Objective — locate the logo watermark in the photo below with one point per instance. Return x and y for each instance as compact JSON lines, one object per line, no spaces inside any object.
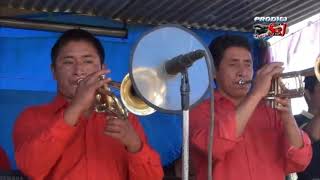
{"x":265,"y":27}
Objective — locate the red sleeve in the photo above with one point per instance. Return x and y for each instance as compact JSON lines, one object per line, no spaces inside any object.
{"x":4,"y":161}
{"x":297,"y":159}
{"x":146,"y":163}
{"x":224,"y":129}
{"x":39,"y":141}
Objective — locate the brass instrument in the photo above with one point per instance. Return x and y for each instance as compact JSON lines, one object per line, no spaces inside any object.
{"x":107,"y":101}
{"x":278,"y":89}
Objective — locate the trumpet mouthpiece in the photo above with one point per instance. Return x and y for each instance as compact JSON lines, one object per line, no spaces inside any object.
{"x":243,"y":82}
{"x":79,"y":80}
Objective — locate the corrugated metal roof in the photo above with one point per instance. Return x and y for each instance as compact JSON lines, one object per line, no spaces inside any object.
{"x":209,"y":14}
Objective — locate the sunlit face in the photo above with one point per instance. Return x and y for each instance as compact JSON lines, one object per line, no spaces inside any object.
{"x":236,"y":64}
{"x":76,"y":60}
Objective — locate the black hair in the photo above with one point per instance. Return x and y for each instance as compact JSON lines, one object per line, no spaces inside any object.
{"x":310,"y":82}
{"x":218,"y":46}
{"x":76,"y":35}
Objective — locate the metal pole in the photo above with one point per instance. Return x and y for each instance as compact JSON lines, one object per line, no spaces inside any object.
{"x":60,"y":27}
{"x":185,"y":98}
{"x":185,"y":157}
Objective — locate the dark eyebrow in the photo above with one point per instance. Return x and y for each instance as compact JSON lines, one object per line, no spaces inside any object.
{"x":246,"y":60}
{"x":84,"y":56}
{"x":88,"y":56}
{"x":235,"y":60}
{"x":67,"y":57}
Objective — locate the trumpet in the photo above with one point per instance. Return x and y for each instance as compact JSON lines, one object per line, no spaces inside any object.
{"x":278,"y":88}
{"x":107,"y":101}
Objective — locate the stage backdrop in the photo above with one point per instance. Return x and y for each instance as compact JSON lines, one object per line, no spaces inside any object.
{"x":25,"y":79}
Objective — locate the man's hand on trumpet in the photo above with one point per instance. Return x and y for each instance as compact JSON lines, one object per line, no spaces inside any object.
{"x":283,"y":104}
{"x":123,"y":131}
{"x":261,"y":88}
{"x":262,"y":82}
{"x":84,"y":96}
{"x":87,"y":88}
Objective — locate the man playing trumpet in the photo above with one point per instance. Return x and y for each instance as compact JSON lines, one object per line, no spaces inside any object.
{"x":66,"y":139}
{"x":251,"y":140}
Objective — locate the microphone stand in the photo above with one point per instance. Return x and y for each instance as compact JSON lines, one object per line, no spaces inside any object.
{"x":185,"y":103}
{"x":185,"y":95}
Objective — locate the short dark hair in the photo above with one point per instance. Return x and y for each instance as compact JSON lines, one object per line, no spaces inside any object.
{"x":218,"y":46}
{"x":76,"y":35}
{"x":310,"y":82}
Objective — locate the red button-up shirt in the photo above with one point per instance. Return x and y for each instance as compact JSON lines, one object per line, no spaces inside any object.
{"x":47,"y":148}
{"x":262,"y":152}
{"x":4,"y":161}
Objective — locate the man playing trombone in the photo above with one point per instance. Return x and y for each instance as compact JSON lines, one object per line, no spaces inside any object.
{"x":66,"y":139}
{"x":251,"y":140}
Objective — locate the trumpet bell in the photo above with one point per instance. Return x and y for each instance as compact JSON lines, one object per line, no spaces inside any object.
{"x":131,"y":100}
{"x":107,"y":101}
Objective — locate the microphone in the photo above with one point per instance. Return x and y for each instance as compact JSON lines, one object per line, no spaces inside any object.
{"x":182,"y":62}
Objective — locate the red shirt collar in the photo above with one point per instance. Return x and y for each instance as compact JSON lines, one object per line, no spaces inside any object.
{"x":219,"y":97}
{"x":59,"y":102}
